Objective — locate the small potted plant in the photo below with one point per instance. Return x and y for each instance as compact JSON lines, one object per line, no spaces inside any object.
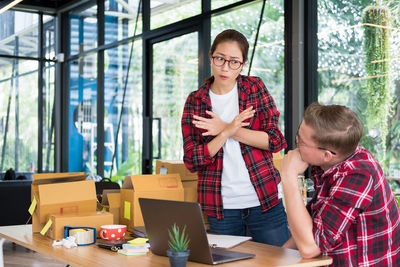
{"x":178,"y":251}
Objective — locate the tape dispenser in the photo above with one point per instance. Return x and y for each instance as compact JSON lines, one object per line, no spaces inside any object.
{"x":83,"y":235}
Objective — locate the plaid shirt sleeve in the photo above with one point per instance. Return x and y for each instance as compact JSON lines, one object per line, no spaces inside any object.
{"x":349,"y":195}
{"x":196,"y":154}
{"x":269,"y":116}
{"x":356,"y":217}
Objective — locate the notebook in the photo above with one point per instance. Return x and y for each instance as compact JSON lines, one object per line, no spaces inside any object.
{"x":160,"y":215}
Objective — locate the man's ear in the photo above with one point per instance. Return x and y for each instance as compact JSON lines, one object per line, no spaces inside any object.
{"x":327,"y":156}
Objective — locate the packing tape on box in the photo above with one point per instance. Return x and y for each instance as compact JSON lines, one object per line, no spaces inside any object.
{"x":83,"y":235}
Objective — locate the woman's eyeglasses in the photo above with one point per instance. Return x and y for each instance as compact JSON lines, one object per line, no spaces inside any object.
{"x":232,"y":64}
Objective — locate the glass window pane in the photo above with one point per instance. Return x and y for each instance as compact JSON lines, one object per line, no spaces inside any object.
{"x":120,"y":19}
{"x":269,"y":54}
{"x":365,"y":78}
{"x":164,"y":12}
{"x":18,"y":114}
{"x":19,"y":33}
{"x":175,"y":75}
{"x":48,"y":110}
{"x":82,"y":127}
{"x":220,"y":3}
{"x":83,"y":30}
{"x":49,"y":25}
{"x":128,"y":160}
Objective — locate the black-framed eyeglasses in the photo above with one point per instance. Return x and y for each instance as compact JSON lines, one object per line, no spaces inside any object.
{"x":232,"y":64}
{"x":301,"y":143}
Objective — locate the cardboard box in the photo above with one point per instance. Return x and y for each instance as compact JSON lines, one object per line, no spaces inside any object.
{"x":111,"y":202}
{"x":61,"y":193}
{"x":175,"y":166}
{"x":190,"y":190}
{"x":89,"y":219}
{"x":159,"y":186}
{"x":277,"y":157}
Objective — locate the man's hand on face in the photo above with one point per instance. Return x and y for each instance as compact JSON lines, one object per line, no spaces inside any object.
{"x":292,"y":165}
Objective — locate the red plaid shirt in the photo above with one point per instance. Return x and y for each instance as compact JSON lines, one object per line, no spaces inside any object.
{"x":263,"y":175}
{"x":355,"y":214}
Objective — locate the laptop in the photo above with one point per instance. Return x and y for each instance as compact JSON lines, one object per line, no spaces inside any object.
{"x":160,"y":215}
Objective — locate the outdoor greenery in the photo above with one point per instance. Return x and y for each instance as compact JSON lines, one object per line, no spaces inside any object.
{"x":358,"y":46}
{"x":376,"y":94}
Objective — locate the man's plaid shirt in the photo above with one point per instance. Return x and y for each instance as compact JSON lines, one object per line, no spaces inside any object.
{"x":355,"y":214}
{"x":263,"y":175}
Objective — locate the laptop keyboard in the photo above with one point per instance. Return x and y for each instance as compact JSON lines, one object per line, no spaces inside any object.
{"x":223,"y":255}
{"x":219,"y":257}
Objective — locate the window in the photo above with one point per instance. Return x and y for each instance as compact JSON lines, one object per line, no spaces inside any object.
{"x":354,"y":72}
{"x":128,"y":117}
{"x":20,"y":75}
{"x":166,"y":12}
{"x":269,"y":52}
{"x":120,"y":19}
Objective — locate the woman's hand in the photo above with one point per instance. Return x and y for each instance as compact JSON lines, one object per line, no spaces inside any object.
{"x":213,"y":125}
{"x":238,"y":121}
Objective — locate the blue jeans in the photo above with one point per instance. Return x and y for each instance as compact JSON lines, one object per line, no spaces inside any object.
{"x":268,"y":227}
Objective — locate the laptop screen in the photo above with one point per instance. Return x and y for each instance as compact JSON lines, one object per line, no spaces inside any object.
{"x":160,"y":215}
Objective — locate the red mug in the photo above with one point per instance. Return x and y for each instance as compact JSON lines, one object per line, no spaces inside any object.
{"x":113,"y":231}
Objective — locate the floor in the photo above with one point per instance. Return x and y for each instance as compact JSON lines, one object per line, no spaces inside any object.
{"x":15,"y":255}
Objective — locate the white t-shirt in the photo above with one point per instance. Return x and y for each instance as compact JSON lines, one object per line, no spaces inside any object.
{"x":237,"y":190}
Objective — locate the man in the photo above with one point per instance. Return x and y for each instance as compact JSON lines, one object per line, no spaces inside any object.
{"x":353,"y":216}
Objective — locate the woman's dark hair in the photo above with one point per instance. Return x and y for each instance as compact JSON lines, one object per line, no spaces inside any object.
{"x":229,"y":35}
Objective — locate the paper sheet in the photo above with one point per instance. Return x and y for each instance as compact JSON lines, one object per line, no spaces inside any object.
{"x":226,"y":241}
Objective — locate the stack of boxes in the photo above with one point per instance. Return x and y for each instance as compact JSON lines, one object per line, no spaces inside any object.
{"x":156,"y":186}
{"x":111,"y":202}
{"x":64,"y":199}
{"x":188,"y":179}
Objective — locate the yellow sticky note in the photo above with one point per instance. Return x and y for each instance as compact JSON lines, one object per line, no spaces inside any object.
{"x":138,"y":241}
{"x":127,"y":210}
{"x":32,"y":206}
{"x":46,"y":227}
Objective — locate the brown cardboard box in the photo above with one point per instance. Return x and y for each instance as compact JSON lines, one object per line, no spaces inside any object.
{"x":190,"y":190}
{"x":175,"y":166}
{"x":159,"y":186}
{"x":277,"y":157}
{"x":61,"y":193}
{"x":87,"y":219}
{"x":111,"y":202}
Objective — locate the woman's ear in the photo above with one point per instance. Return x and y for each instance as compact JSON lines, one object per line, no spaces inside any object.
{"x":244,"y":63}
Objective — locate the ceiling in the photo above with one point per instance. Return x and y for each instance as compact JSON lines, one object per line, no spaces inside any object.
{"x":44,"y":5}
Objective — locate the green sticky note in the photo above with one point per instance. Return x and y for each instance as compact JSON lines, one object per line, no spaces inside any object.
{"x":127,"y":210}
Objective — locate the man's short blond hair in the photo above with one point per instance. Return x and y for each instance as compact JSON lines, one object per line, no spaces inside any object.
{"x":335,"y":127}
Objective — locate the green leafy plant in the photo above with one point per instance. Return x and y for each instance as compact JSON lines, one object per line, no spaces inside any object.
{"x":178,"y":240}
{"x":376,"y":21}
{"x":118,"y":175}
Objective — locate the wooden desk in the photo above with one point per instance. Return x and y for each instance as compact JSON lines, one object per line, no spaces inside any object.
{"x":266,"y":255}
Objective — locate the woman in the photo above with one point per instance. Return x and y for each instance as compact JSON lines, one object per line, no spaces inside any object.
{"x":230,"y":130}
